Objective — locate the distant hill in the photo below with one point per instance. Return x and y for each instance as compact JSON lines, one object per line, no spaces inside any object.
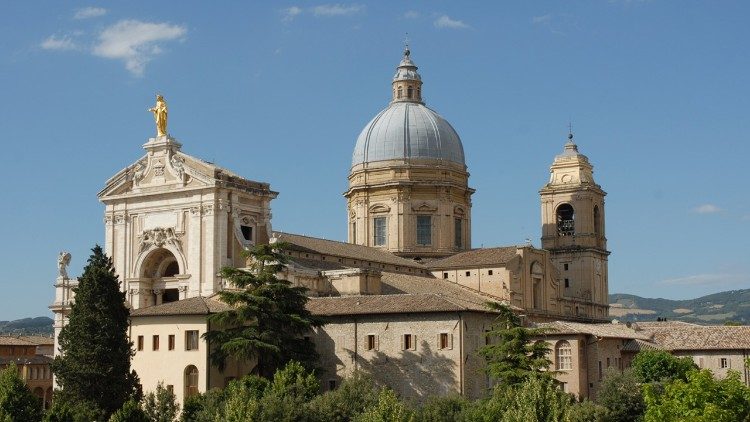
{"x":717,"y":308}
{"x":26,"y":326}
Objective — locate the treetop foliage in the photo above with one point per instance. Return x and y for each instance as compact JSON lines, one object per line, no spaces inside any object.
{"x":268,"y":321}
{"x":17,"y":402}
{"x":660,"y":365}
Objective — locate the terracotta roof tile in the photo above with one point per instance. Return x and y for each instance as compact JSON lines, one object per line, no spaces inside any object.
{"x":636,"y":345}
{"x":26,"y":360}
{"x":699,"y":337}
{"x":193,"y":306}
{"x":476,"y":258}
{"x":608,"y":330}
{"x":15,"y":341}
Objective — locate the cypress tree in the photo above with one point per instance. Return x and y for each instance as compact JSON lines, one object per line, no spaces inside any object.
{"x":95,"y":362}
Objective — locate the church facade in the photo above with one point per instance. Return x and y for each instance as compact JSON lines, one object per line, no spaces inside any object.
{"x":404,"y":298}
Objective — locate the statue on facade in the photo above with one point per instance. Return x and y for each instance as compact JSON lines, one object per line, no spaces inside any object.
{"x":63,"y":260}
{"x":160,"y":115}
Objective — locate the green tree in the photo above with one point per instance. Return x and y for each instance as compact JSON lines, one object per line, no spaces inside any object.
{"x":620,"y":393}
{"x":206,"y":407}
{"x":17,"y":403}
{"x":96,"y":352}
{"x":268,"y":320}
{"x":442,"y":409}
{"x":538,"y":399}
{"x":701,"y":398}
{"x":131,"y":411}
{"x":512,"y":356}
{"x":356,"y":393}
{"x":73,"y":411}
{"x":588,"y":411}
{"x":659,"y":365}
{"x":388,"y":409}
{"x":161,"y":405}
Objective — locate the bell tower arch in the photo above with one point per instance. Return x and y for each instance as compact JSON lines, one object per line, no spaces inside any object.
{"x":573,"y":229}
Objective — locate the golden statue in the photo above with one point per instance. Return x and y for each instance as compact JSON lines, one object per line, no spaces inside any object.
{"x":160,"y":115}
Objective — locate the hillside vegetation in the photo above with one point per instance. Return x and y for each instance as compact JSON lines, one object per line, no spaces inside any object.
{"x":27,"y":326}
{"x":715,"y":309}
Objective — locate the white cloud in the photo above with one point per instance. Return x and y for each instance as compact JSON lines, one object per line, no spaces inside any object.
{"x":709,"y":279}
{"x":707,"y":209}
{"x":63,"y":43}
{"x":337,"y":9}
{"x":446,"y":22}
{"x":90,"y":12}
{"x":543,"y":19}
{"x":135,"y":42}
{"x":290,"y":13}
{"x":411,"y":14}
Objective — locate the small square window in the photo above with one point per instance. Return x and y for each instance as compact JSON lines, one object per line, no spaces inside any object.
{"x":140,"y":343}
{"x":565,"y":266}
{"x":468,"y":273}
{"x":445,"y":275}
{"x":371,"y":342}
{"x":489,"y":272}
{"x":724,"y":363}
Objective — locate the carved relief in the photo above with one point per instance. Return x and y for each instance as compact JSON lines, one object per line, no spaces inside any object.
{"x":159,"y":237}
{"x":120,"y":218}
{"x":139,"y":170}
{"x":159,"y":168}
{"x":208,"y":209}
{"x":196,"y":211}
{"x":178,"y":164}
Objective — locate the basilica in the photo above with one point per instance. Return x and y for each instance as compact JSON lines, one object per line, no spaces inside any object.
{"x":404,"y":298}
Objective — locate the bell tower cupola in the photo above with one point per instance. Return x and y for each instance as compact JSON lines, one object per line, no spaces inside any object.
{"x":573,"y":229}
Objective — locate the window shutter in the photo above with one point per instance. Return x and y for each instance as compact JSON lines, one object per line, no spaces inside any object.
{"x":413,"y":342}
{"x":439,"y":346}
{"x":403,"y":341}
{"x":450,"y":341}
{"x":377,"y":342}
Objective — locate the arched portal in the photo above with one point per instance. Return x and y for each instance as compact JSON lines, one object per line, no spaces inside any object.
{"x":162,"y":267}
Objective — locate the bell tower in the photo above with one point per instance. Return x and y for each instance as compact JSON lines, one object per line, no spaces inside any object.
{"x":573,"y":232}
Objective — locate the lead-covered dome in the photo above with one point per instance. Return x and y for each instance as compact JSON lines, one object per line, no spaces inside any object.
{"x":408,"y":130}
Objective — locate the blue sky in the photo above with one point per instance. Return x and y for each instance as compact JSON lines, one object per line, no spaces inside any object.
{"x":657,"y":91}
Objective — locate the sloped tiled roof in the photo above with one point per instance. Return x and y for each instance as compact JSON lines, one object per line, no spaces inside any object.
{"x":40,"y":340}
{"x":193,"y":306}
{"x":636,"y":345}
{"x":475,"y":258}
{"x":26,"y":360}
{"x":15,"y":341}
{"x":315,"y":264}
{"x":699,"y":337}
{"x":343,"y":249}
{"x":608,"y":330}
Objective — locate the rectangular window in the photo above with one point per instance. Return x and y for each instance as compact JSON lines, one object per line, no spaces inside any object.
{"x":444,"y":341}
{"x":607,"y":362}
{"x":379,"y":231}
{"x":408,"y":342}
{"x":155,"y":343}
{"x":724,"y":362}
{"x":600,"y":370}
{"x":567,"y":283}
{"x":468,"y":273}
{"x":489,"y":272}
{"x":170,"y":342}
{"x":445,"y":275}
{"x":566,"y":267}
{"x":458,"y":233}
{"x":371,"y":342}
{"x":424,"y":230}
{"x":191,"y":340}
{"x":140,"y":343}
{"x":247,"y":232}
{"x":354,"y":233}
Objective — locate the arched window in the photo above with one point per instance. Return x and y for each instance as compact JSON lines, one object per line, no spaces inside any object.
{"x":191,"y":381}
{"x":400,"y":92}
{"x":597,"y":221}
{"x":410,"y":92}
{"x":172,"y":269}
{"x":564,"y":356}
{"x":565,"y":220}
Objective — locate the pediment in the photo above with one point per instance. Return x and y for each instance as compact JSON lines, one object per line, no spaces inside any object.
{"x":379,"y":208}
{"x":423,"y":207}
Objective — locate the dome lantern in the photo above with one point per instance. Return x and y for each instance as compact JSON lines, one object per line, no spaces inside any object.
{"x":407,"y":84}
